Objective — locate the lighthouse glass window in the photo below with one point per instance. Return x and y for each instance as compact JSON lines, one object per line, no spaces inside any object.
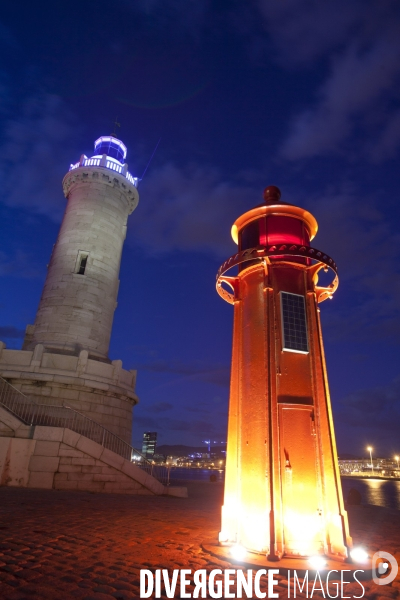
{"x":294,"y":323}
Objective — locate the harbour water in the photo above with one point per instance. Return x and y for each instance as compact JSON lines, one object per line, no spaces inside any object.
{"x":381,"y":492}
{"x":179,"y":475}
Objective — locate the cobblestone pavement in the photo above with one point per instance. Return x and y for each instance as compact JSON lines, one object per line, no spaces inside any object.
{"x":57,"y":545}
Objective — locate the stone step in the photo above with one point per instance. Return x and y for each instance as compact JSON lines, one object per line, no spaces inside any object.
{"x":58,"y":458}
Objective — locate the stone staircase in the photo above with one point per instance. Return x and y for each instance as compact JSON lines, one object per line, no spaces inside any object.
{"x":55,"y":447}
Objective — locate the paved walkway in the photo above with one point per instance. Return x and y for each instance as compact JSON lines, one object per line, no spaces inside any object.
{"x":57,"y":545}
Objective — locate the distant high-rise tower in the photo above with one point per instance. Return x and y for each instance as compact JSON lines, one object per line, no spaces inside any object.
{"x":149,"y":443}
{"x":283,"y":492}
{"x":65,"y":353}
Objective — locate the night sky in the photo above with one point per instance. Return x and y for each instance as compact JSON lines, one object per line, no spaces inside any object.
{"x":300,"y":94}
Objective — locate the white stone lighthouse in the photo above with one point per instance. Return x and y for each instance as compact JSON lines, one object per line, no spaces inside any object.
{"x":64,"y":359}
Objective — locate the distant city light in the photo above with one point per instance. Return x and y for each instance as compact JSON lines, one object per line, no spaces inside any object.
{"x":369,"y":448}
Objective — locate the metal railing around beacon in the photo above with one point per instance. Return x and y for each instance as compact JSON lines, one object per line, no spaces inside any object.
{"x":31,"y":413}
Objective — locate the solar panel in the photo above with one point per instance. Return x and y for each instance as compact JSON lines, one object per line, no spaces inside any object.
{"x":294,"y":322}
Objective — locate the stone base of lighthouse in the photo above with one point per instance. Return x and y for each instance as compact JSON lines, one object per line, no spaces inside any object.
{"x":102,"y":391}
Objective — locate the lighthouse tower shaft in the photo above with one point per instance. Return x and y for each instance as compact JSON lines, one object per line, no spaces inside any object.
{"x":282,"y":486}
{"x":64,"y":360}
{"x":79,"y":297}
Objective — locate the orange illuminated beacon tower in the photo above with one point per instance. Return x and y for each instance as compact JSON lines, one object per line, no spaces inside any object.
{"x":283,"y":494}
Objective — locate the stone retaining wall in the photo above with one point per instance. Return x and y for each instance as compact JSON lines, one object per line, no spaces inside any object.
{"x":104,"y":392}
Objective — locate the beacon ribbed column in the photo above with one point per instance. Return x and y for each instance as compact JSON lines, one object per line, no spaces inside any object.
{"x":283,"y":493}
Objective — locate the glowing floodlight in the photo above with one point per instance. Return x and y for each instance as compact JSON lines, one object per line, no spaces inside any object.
{"x":238,"y":552}
{"x":359,"y":555}
{"x":317,"y":562}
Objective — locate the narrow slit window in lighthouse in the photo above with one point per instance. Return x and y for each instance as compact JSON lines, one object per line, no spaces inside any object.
{"x":294,"y":323}
{"x":81,"y":263}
